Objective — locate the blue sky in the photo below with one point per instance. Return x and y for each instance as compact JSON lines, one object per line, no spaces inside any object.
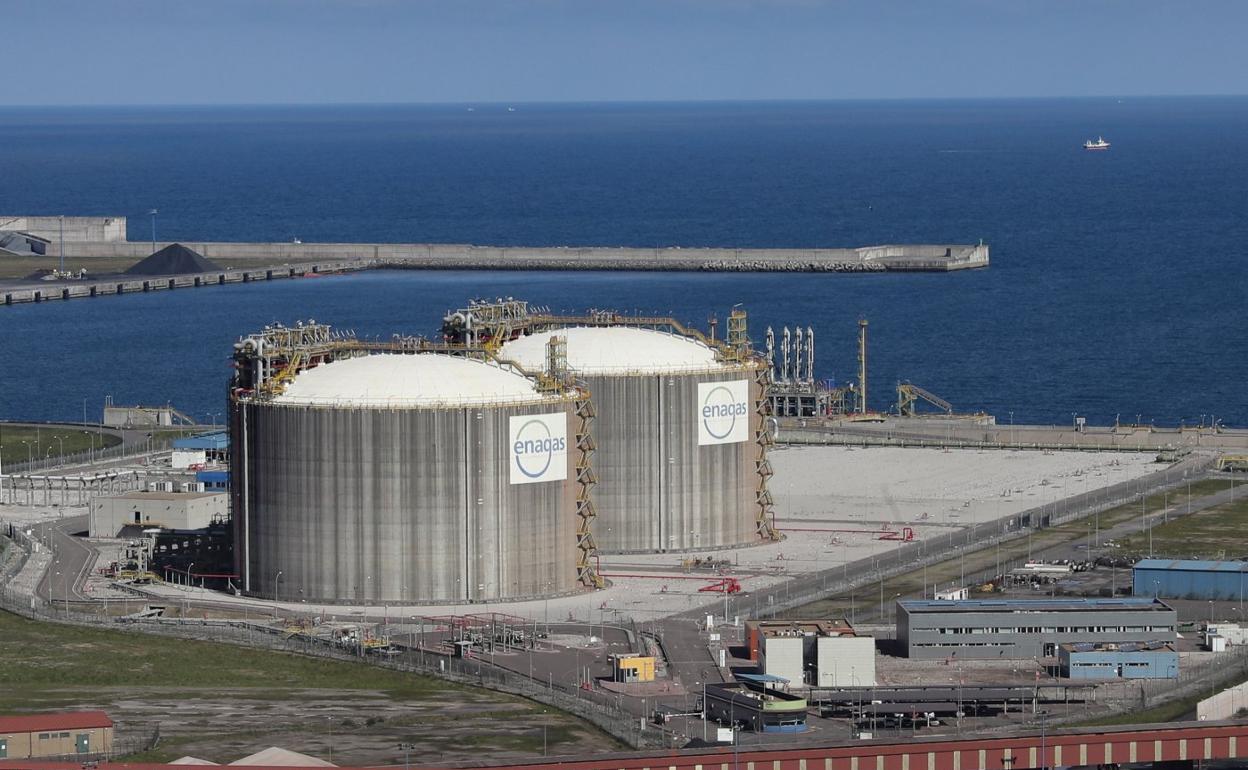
{"x":325,"y":51}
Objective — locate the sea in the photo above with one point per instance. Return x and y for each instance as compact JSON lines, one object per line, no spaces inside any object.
{"x":1117,"y":288}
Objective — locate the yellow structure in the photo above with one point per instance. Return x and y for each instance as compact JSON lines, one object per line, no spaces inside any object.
{"x":633,"y":668}
{"x":1232,"y":463}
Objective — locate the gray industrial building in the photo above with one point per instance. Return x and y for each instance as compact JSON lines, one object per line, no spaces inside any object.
{"x":1189,"y":579}
{"x":1027,"y":628}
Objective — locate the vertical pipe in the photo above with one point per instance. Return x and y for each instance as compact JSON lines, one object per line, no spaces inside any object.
{"x":784,"y":352}
{"x":798,"y":346}
{"x":771,"y":353}
{"x":810,"y":355}
{"x":245,"y":562}
{"x":862,"y":366}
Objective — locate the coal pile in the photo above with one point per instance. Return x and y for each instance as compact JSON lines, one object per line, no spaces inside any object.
{"x":174,"y":259}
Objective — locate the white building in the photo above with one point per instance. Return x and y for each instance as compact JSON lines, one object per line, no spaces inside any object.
{"x":844,"y":661}
{"x":170,"y":510}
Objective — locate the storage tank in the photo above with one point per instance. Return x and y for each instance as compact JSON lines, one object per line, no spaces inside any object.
{"x":405,"y":478}
{"x":677,"y":430}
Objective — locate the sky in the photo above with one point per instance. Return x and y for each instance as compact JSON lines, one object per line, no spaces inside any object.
{"x":96,"y":52}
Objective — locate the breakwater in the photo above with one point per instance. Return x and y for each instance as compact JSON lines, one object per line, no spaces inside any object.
{"x":291,"y":260}
{"x":891,"y":257}
{"x":47,"y":291}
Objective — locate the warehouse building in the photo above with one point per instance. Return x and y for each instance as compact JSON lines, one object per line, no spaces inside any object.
{"x":1189,"y":579}
{"x":1153,"y":660}
{"x":167,"y":510}
{"x":1026,"y":628}
{"x":815,"y":653}
{"x":43,"y":736}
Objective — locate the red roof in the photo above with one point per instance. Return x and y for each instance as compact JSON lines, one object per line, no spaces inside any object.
{"x":65,"y":720}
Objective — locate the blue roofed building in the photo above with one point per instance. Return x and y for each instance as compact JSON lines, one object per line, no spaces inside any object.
{"x":213,"y":480}
{"x":219,"y":441}
{"x":215,"y":446}
{"x":1189,"y":579}
{"x":1152,"y":660}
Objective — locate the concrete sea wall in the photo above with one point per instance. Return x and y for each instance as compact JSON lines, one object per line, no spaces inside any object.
{"x":918,"y":257}
{"x":294,"y":260}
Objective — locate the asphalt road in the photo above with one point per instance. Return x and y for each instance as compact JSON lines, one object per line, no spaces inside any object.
{"x":72,"y":560}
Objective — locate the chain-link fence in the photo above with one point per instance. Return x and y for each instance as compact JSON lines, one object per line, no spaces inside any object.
{"x":909,"y":556}
{"x":606,"y":710}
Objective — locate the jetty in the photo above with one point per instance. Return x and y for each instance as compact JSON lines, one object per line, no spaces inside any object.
{"x":107,"y":240}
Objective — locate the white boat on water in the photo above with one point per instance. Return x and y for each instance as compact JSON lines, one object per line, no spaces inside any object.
{"x":1099,"y":144}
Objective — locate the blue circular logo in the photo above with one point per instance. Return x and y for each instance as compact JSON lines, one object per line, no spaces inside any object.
{"x":537,"y":449}
{"x":710,"y":411}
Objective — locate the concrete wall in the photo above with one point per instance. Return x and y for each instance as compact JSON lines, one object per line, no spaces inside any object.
{"x":189,"y":510}
{"x":1224,"y":705}
{"x":935,"y":431}
{"x":466,"y":256}
{"x":76,"y":229}
{"x":845,"y":661}
{"x":137,"y":416}
{"x":782,"y":656}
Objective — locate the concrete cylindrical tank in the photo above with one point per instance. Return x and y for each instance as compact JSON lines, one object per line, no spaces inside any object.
{"x":675,"y":433}
{"x":405,"y":478}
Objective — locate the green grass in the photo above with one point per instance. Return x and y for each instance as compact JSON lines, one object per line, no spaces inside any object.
{"x":40,"y":441}
{"x":52,"y":665}
{"x":1214,"y":533}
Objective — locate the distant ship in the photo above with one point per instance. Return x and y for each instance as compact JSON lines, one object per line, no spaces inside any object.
{"x":1099,"y":144}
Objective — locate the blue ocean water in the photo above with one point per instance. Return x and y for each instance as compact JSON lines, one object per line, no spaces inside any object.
{"x":1117,"y":286}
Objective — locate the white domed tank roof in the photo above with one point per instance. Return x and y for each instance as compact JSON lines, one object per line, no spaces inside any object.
{"x":615,"y":350}
{"x":425,"y":379}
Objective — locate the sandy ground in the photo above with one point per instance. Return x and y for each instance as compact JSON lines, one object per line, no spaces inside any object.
{"x":831,"y":502}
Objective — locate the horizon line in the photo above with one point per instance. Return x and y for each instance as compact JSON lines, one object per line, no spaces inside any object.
{"x":573,"y":102}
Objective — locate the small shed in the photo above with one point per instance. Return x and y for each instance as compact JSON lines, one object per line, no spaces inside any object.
{"x":1152,"y":660}
{"x":65,"y":734}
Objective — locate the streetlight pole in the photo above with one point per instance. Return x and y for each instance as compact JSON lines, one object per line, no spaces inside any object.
{"x":153,"y":214}
{"x":61,"y":249}
{"x":276,"y":586}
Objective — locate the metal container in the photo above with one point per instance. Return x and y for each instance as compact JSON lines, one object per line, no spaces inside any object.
{"x":665,"y":481}
{"x":422,"y":478}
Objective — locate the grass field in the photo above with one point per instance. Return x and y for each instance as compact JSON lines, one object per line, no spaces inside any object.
{"x":221,"y":702}
{"x":1215,"y":533}
{"x":20,"y":443}
{"x":20,"y":267}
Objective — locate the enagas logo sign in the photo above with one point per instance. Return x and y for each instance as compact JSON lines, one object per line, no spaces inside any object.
{"x":723,"y":412}
{"x":539,"y":448}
